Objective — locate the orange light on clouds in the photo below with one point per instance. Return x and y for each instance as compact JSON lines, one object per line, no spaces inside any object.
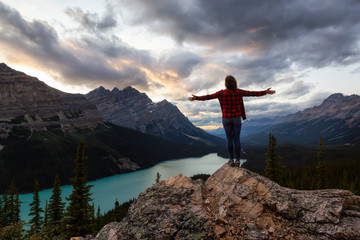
{"x":254,"y":30}
{"x":72,"y":45}
{"x":164,"y":85}
{"x":210,"y":127}
{"x":172,"y":74}
{"x":126,"y":61}
{"x":217,"y":66}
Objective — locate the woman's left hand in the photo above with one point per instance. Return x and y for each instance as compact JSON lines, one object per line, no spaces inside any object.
{"x":268,"y":91}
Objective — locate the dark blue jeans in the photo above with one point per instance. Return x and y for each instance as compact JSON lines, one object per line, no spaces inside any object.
{"x":232,"y":127}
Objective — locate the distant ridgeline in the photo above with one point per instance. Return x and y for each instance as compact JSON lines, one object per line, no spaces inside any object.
{"x":40,"y":128}
{"x":336,"y":120}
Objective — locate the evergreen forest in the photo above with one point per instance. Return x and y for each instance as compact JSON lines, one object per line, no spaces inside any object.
{"x":64,"y":222}
{"x":322,"y":174}
{"x":79,"y":218}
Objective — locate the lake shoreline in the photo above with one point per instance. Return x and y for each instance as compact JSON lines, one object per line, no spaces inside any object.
{"x":126,"y":186}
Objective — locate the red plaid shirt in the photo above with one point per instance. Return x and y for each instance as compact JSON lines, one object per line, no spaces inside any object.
{"x":231,"y":102}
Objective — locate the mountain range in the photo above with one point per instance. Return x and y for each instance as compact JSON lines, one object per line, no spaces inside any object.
{"x":336,"y":120}
{"x":131,"y":109}
{"x":40,"y":128}
{"x":125,"y":130}
{"x":27,"y":103}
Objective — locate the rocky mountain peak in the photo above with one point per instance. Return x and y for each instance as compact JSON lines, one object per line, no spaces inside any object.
{"x":8,"y":74}
{"x":164,"y":101}
{"x":167,"y":104}
{"x":235,"y":203}
{"x":130,"y":88}
{"x":336,"y":96}
{"x":5,"y":68}
{"x":101,"y":88}
{"x":100,"y":91}
{"x":28,"y":102}
{"x":336,"y":106}
{"x":115,"y":90}
{"x":131,"y":92}
{"x":133,"y":109}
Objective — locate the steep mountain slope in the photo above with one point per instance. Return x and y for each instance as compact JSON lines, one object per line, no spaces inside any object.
{"x":40,"y":128}
{"x":26,"y":102}
{"x":337,"y":120}
{"x":132,"y":109}
{"x":336,"y":106}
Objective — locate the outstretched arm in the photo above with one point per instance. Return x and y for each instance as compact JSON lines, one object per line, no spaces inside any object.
{"x":205,"y":97}
{"x":257,"y":93}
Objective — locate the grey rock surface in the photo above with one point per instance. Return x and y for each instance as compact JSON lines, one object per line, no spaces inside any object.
{"x":235,"y":203}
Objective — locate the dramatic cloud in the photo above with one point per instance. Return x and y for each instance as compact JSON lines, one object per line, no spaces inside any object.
{"x":171,"y":49}
{"x":83,"y":59}
{"x":181,"y":63}
{"x":91,"y":21}
{"x":278,"y":35}
{"x":77,"y":63}
{"x":298,"y":89}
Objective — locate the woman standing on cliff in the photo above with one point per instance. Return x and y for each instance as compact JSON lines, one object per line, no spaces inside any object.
{"x":232,"y":107}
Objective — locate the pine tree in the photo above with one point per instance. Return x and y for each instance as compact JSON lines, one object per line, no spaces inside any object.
{"x":9,"y":203}
{"x":17,"y":205}
{"x":2,"y":214}
{"x":344,"y":183}
{"x":4,"y":211}
{"x":273,"y":169}
{"x":56,"y":206}
{"x":321,"y":168}
{"x":79,"y":213}
{"x":352,"y":187}
{"x":35,"y":211}
{"x":10,"y":210}
{"x":12,"y":192}
{"x":98,"y":218}
{"x":46,"y":214}
{"x":93,"y":219}
{"x":158,"y":176}
{"x":355,"y":186}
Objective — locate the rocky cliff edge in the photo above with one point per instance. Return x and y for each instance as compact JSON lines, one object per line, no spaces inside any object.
{"x":235,"y":203}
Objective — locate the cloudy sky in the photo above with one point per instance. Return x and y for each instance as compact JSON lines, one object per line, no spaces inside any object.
{"x":303,"y":49}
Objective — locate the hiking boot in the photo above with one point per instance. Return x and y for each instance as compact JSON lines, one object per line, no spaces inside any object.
{"x":237,"y":163}
{"x":231,"y":163}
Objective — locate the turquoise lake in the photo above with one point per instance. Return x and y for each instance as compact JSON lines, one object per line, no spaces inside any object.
{"x":124,"y":187}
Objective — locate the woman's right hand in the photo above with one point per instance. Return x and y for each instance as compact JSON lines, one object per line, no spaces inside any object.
{"x":192,"y":98}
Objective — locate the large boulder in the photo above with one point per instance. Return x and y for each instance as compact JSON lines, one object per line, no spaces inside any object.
{"x":235,"y":203}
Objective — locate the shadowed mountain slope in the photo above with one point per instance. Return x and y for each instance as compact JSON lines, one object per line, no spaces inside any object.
{"x":132,"y":109}
{"x":40,"y":128}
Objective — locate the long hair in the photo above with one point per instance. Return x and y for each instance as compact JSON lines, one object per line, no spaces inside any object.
{"x":230,"y":83}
